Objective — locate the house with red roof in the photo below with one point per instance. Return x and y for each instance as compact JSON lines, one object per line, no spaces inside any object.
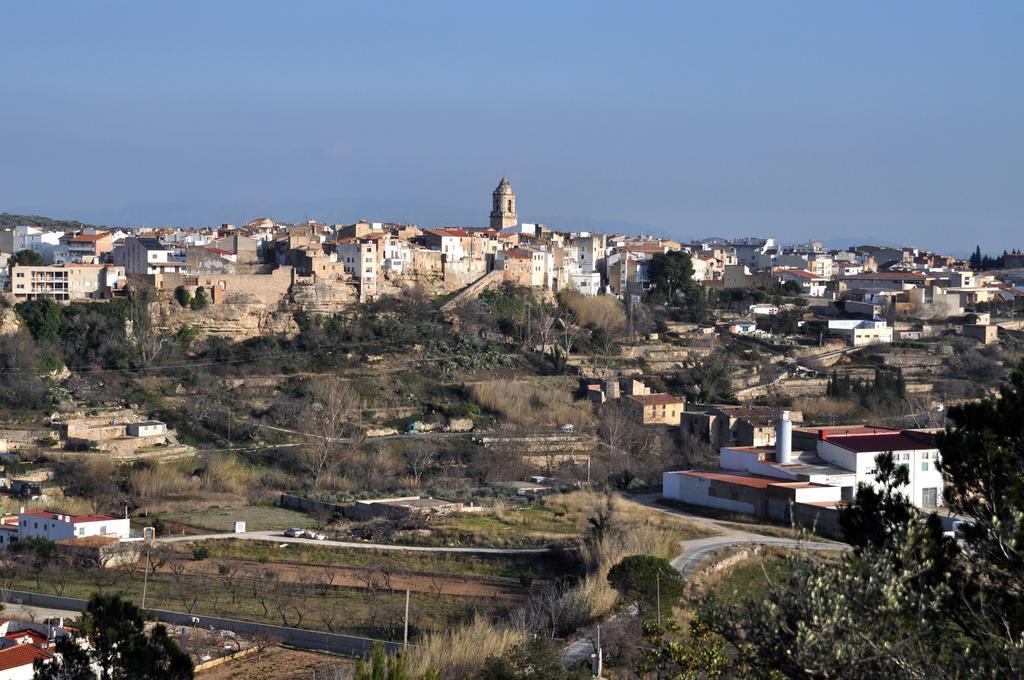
{"x":56,"y":526}
{"x":16,"y":663}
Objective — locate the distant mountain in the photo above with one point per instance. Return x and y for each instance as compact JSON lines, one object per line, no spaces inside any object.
{"x":8,"y":220}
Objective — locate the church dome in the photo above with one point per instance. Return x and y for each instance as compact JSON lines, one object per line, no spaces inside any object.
{"x":503,"y":188}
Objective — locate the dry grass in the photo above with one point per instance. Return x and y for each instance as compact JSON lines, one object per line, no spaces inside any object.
{"x":532,"y":403}
{"x":460,"y":652}
{"x":55,"y":503}
{"x":632,"y":529}
{"x":825,"y":410}
{"x":604,"y":311}
{"x":222,"y":476}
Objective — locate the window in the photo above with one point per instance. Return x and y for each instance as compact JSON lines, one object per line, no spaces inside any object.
{"x":924,"y":466}
{"x":930,"y":497}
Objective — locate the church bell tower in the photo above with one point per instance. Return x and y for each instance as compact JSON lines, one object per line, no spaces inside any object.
{"x":503,"y":206}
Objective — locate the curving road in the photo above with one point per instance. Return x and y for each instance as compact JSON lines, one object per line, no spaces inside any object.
{"x":696,"y":551}
{"x":278,"y":537}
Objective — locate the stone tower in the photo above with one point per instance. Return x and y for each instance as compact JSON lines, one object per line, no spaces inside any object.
{"x":503,"y":206}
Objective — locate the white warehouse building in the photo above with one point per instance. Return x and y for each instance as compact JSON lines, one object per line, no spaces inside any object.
{"x":813,"y":468}
{"x":54,"y":526}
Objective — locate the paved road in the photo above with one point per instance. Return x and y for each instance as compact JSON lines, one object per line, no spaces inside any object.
{"x":278,"y":537}
{"x":696,"y":551}
{"x":25,"y":612}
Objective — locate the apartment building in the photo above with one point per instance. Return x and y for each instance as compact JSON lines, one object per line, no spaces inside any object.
{"x":67,"y":282}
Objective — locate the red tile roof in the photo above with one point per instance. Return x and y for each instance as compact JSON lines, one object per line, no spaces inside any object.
{"x":74,"y":519}
{"x":751,"y":481}
{"x":884,"y":441}
{"x":458,"y":233}
{"x":888,"y":276}
{"x":741,"y":480}
{"x":653,"y":399}
{"x":20,"y":655}
{"x":36,"y":637}
{"x":88,"y":238}
{"x":799,"y":273}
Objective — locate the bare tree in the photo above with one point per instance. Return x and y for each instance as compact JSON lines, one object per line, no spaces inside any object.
{"x":569,"y":331}
{"x":232,"y":576}
{"x":186,"y":589}
{"x":334,"y":404}
{"x":100,"y":577}
{"x":149,"y":340}
{"x":419,"y":458}
{"x":545,"y":319}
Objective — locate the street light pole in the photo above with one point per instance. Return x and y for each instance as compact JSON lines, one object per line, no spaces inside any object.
{"x":405,"y":636}
{"x":145,"y":579}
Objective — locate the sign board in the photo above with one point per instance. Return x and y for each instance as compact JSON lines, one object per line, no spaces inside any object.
{"x":239,"y":527}
{"x":149,"y":535}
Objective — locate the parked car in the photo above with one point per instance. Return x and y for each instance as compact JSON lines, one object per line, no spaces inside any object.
{"x":315,"y":535}
{"x":294,"y":532}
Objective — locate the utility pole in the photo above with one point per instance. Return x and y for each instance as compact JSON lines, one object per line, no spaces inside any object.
{"x":405,"y":636}
{"x":657,"y":581}
{"x":145,"y":579}
{"x":631,"y":339}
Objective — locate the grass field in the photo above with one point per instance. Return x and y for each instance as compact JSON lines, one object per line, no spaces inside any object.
{"x":532,"y":567}
{"x":556,"y":520}
{"x":256,"y":518}
{"x":750,"y":579}
{"x":351,"y":611}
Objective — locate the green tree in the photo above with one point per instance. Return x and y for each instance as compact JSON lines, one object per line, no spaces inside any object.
{"x":44,"y":319}
{"x":200,"y":301}
{"x":182,"y":295}
{"x":670,"y":273}
{"x":673,"y":657}
{"x":26,"y":258}
{"x":120,"y":647}
{"x":644,"y":580}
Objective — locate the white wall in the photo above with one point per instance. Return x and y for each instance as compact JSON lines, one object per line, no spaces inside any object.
{"x":817,"y":494}
{"x":694,"y":490}
{"x":34,"y":526}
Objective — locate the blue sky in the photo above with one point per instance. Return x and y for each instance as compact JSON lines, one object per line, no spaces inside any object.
{"x":901,"y":122}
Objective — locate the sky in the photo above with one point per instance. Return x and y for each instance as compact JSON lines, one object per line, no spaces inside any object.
{"x":847,"y":122}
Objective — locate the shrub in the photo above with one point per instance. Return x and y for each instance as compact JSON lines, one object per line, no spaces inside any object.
{"x":648,"y":581}
{"x":200,"y":552}
{"x":200,"y":301}
{"x":182,"y":295}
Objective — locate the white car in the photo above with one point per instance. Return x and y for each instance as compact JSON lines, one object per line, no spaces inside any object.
{"x":294,"y":532}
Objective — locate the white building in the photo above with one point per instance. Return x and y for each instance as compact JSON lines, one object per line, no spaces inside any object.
{"x":861,"y":331}
{"x":149,"y":257}
{"x":828,"y":469}
{"x":24,"y":237}
{"x":54,"y":526}
{"x":147,"y":428}
{"x":359,"y":259}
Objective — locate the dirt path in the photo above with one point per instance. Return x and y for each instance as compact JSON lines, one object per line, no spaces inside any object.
{"x":280,"y":662}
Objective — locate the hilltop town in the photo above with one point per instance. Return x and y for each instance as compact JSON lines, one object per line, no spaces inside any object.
{"x":320,"y":435}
